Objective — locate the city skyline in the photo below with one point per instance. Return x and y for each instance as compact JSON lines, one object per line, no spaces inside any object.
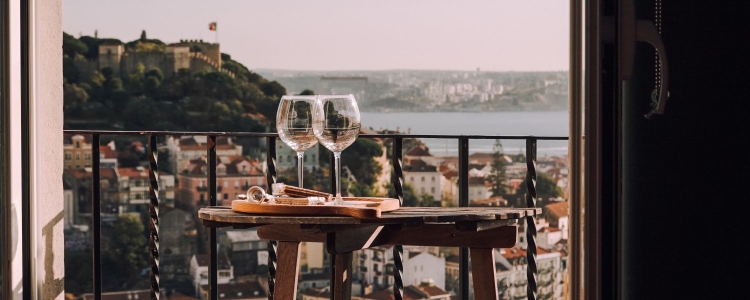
{"x":508,"y":35}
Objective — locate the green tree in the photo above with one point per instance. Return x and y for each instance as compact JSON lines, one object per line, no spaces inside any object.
{"x":143,"y":35}
{"x":273,"y":89}
{"x":427,"y":200}
{"x":545,"y":188}
{"x":410,"y":196}
{"x":497,"y":173}
{"x":73,"y":47}
{"x":92,"y":44}
{"x":135,"y":80}
{"x":307,"y":92}
{"x":360,"y":159}
{"x":128,"y":250}
{"x":74,"y":96}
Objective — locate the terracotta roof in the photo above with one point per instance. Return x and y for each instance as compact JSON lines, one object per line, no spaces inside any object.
{"x":107,"y":152}
{"x":133,"y":173}
{"x":81,"y":174}
{"x":516,"y":252}
{"x":420,"y":150}
{"x":476,"y":181}
{"x":107,"y":173}
{"x":419,"y":165}
{"x":450,"y":174}
{"x":558,"y":209}
{"x":385,"y":294}
{"x":430,"y":290}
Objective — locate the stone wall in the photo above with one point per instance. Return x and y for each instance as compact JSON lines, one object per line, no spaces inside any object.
{"x":175,"y":58}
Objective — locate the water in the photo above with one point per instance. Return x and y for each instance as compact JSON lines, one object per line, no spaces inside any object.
{"x":538,"y":123}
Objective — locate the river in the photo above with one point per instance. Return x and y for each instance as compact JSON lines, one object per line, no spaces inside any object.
{"x":539,"y":123}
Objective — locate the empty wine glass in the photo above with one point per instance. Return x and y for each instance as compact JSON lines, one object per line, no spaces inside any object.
{"x":294,"y":122}
{"x":336,"y":126}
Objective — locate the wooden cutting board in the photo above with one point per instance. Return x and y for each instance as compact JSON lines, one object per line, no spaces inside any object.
{"x":360,"y":207}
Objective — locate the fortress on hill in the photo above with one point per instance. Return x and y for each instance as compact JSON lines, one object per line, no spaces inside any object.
{"x":194,"y":55}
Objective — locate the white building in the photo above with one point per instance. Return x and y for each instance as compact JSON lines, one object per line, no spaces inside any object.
{"x":424,"y":178}
{"x":423,"y":267}
{"x":373,"y":266}
{"x":134,"y":186}
{"x":245,"y":249}
{"x":478,"y":190}
{"x":199,"y":271}
{"x":313,"y":281}
{"x":511,"y":273}
{"x":286,"y":158}
{"x":557,"y":215}
{"x":184,"y":149}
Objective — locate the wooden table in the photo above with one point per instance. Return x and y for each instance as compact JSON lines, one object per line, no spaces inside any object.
{"x":478,"y":228}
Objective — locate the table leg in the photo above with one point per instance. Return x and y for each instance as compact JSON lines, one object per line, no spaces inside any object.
{"x":286,"y":271}
{"x":483,"y":272}
{"x":343,"y":277}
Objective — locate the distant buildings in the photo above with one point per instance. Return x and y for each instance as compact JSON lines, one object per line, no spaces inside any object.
{"x":423,"y":291}
{"x":245,"y":249}
{"x":286,"y":158}
{"x":424,"y":178}
{"x":199,"y":270}
{"x":251,"y":290}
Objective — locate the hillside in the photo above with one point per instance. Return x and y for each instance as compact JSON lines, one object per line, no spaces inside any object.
{"x":146,"y":84}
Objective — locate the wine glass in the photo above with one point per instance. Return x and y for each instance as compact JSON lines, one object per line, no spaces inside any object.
{"x":294,"y":122}
{"x":336,"y":126}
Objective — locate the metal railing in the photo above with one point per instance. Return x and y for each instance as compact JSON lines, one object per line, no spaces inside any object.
{"x":397,"y":179}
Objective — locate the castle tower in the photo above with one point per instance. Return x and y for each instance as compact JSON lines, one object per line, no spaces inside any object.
{"x":179,"y":57}
{"x":212,"y":51}
{"x":110,"y":55}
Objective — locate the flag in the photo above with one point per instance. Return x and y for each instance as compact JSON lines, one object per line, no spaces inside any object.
{"x":212,"y":26}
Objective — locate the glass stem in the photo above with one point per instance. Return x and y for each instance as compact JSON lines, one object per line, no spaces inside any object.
{"x":337,"y":161}
{"x":300,"y":166}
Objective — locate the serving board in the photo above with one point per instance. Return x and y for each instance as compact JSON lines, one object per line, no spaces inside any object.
{"x":360,"y":207}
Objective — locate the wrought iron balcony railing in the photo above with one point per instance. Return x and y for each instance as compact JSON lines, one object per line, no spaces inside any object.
{"x":397,"y":179}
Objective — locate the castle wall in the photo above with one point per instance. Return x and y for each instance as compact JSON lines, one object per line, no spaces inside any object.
{"x":181,"y":61}
{"x":111,"y":60}
{"x":149,"y":60}
{"x":213,"y":53}
{"x":176,"y":57}
{"x":86,"y":67}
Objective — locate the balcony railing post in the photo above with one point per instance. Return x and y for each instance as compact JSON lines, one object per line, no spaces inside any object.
{"x":153,"y":211}
{"x":96,"y":209}
{"x":213,"y":271}
{"x":463,"y":201}
{"x":397,"y":179}
{"x":531,"y":270}
{"x":270,"y":180}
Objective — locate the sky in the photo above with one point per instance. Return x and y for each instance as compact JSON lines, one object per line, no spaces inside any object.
{"x":493,"y":35}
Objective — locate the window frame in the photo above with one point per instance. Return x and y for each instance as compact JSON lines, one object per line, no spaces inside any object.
{"x":21,"y":20}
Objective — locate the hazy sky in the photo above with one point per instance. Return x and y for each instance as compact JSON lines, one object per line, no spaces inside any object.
{"x":500,"y":35}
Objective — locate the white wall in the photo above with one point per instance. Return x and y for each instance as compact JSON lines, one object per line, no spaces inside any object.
{"x":46,"y":143}
{"x":424,"y":266}
{"x":432,"y":183}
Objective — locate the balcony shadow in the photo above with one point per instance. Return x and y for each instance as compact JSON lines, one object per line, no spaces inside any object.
{"x":51,"y":287}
